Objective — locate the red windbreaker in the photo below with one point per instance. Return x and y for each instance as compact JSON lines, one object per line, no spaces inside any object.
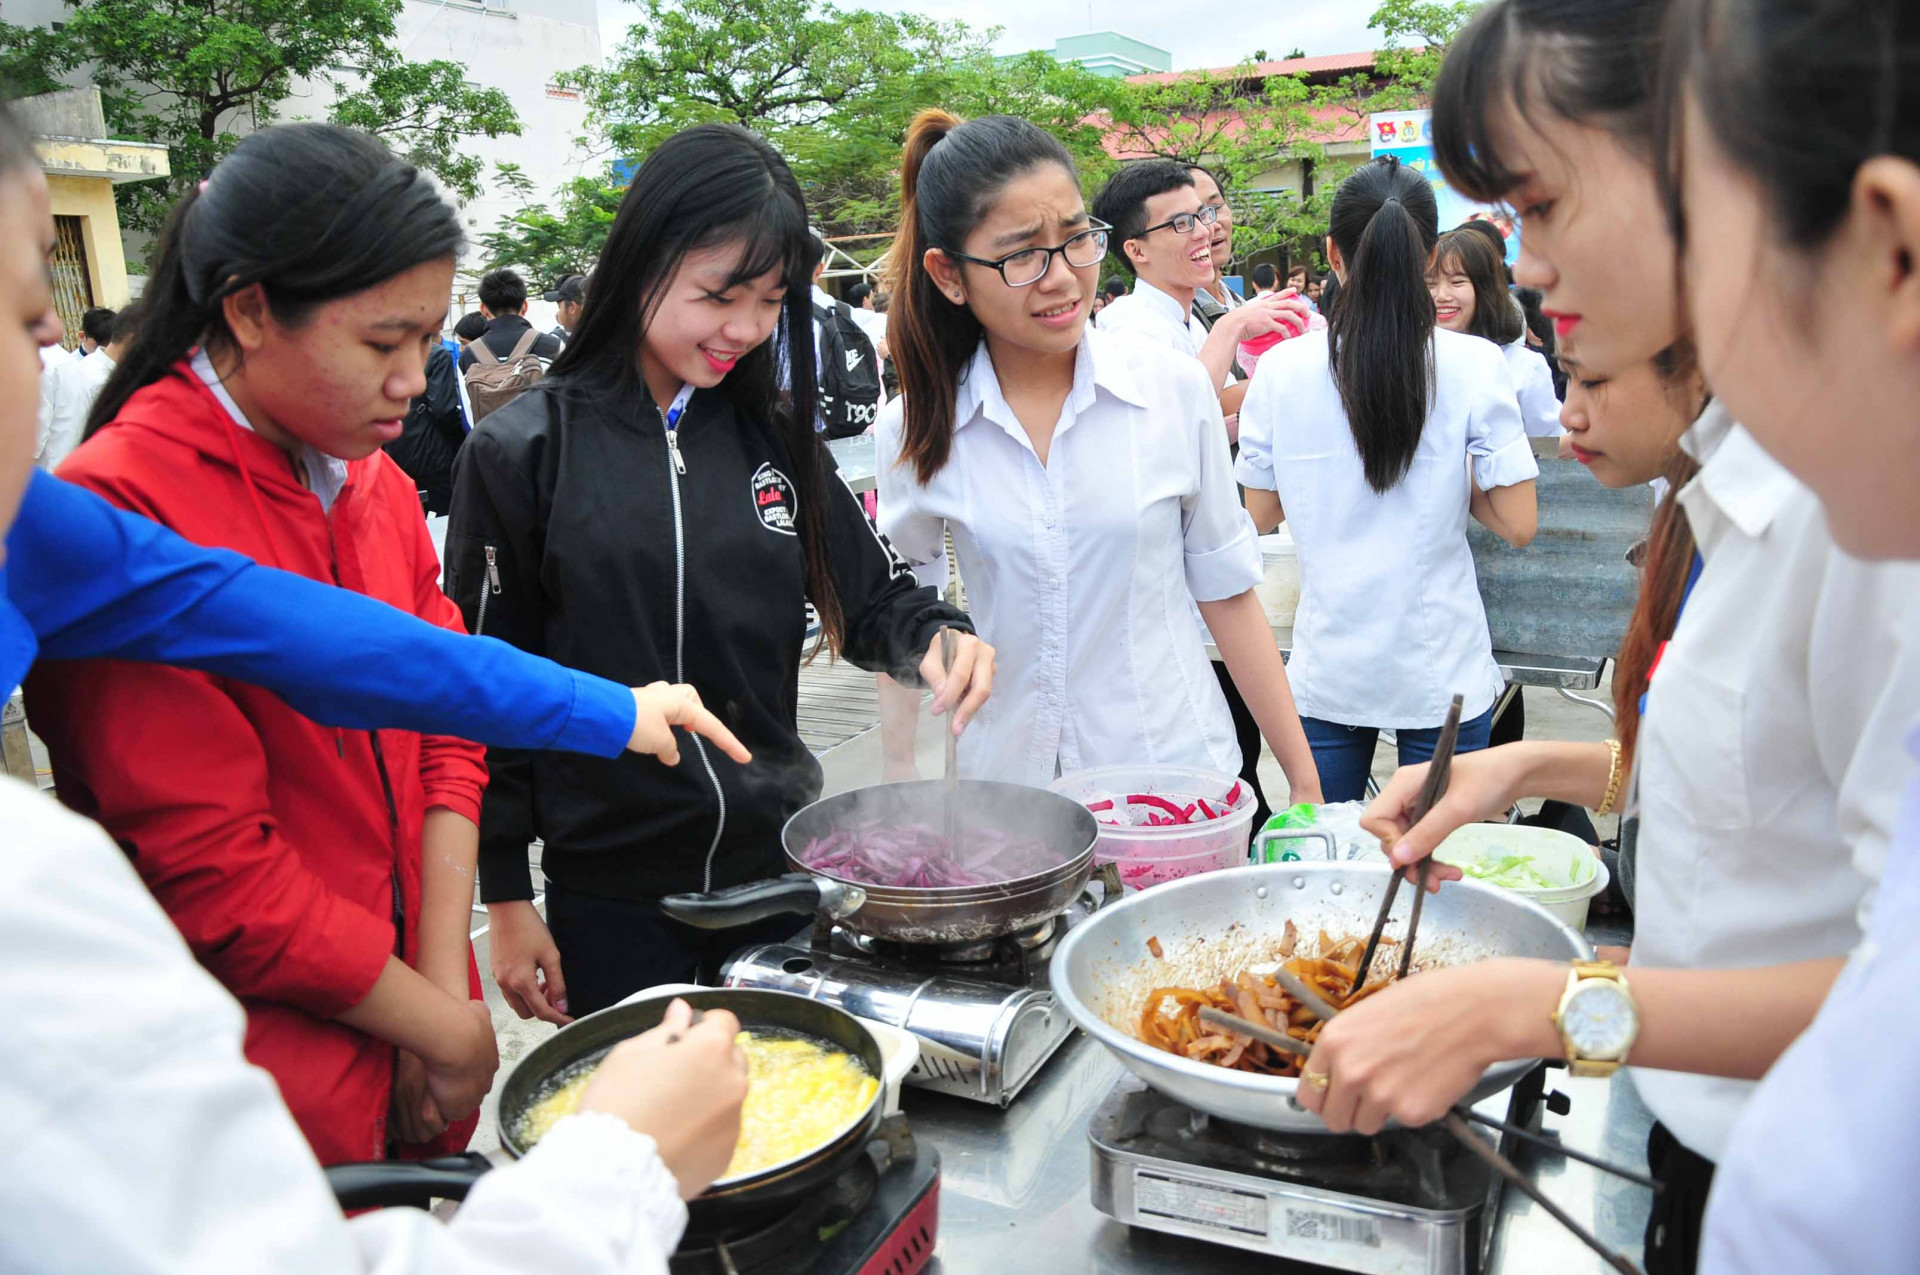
{"x":288,"y":853}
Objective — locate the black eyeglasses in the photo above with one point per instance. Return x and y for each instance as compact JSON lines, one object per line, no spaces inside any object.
{"x":1030,"y":265}
{"x":1183,"y":223}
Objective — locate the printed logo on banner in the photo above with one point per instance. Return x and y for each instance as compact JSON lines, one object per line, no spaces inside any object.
{"x":773,"y":500}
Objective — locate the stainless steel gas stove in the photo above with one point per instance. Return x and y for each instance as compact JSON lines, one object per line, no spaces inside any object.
{"x":984,"y":1013}
{"x":1408,"y":1202}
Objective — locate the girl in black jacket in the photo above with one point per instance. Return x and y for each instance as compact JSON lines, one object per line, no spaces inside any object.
{"x":659,"y":507}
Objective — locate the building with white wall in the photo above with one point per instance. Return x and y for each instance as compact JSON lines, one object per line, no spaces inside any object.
{"x":518,"y":46}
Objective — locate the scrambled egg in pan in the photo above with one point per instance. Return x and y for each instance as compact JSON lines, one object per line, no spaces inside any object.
{"x":800,"y":1095}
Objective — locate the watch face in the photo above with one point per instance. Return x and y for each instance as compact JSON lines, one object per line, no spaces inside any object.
{"x":1600,"y":1021}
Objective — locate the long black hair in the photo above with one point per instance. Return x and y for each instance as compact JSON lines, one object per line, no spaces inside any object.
{"x":950,"y":176}
{"x":1588,"y":61}
{"x":1385,"y":222}
{"x":1799,"y":94}
{"x":705,"y":187}
{"x":312,"y":212}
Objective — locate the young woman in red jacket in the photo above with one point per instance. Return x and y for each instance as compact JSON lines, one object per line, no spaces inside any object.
{"x":324,"y":876}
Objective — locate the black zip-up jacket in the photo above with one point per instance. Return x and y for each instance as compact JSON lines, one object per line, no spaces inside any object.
{"x":567,"y":539}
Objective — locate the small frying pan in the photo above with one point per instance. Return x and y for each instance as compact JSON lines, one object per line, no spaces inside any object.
{"x":373,"y":1184}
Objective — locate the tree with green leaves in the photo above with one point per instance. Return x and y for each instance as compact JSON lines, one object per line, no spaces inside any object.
{"x":553,"y":241}
{"x":771,"y":65}
{"x":196,"y":75}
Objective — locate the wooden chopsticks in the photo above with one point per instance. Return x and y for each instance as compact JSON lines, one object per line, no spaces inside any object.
{"x":1430,"y":794}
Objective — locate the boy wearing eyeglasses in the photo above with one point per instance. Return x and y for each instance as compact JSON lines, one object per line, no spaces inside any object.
{"x":1164,"y":232}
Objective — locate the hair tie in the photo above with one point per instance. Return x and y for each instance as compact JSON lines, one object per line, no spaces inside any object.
{"x":1391,"y":199}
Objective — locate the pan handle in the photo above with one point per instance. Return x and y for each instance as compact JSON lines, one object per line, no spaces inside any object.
{"x":796,"y":894}
{"x":374,"y":1184}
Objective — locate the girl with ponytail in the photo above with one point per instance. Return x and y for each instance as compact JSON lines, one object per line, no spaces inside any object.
{"x":1361,"y":438}
{"x":1084,"y":476}
{"x":1771,"y":674}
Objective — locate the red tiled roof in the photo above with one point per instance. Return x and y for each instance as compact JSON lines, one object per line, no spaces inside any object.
{"x":1339,"y":126}
{"x":1287,"y":66}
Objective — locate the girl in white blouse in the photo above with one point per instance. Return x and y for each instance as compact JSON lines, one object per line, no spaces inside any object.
{"x":1469,"y":286}
{"x":1361,"y":437}
{"x":1768,"y":762}
{"x":1768,"y":84}
{"x":1084,"y":476}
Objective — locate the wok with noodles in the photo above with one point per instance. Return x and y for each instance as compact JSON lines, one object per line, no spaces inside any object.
{"x":1212,"y":929}
{"x":800,"y":1095}
{"x":1170,"y":1018}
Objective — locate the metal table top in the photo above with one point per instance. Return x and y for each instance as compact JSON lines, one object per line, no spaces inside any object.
{"x":1557,"y":671}
{"x":1014,"y":1185}
{"x":855,"y":457}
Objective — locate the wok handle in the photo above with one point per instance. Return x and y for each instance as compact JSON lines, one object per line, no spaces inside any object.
{"x":374,"y":1184}
{"x":796,"y":894}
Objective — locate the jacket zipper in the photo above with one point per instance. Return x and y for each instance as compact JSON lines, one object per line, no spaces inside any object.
{"x":393,"y":826}
{"x":680,"y":631}
{"x":386,"y":781}
{"x":492,"y":587}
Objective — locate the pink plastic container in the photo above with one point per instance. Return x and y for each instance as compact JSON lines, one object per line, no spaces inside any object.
{"x":1148,"y":855}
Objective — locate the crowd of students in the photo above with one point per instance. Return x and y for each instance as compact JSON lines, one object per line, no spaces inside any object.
{"x":293,"y":751}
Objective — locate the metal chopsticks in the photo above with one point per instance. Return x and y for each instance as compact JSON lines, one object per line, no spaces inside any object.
{"x":1430,"y":794}
{"x":950,"y":793}
{"x":1455,"y":1123}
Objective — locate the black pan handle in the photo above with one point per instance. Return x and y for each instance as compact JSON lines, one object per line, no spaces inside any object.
{"x":377,"y":1184}
{"x":796,"y":894}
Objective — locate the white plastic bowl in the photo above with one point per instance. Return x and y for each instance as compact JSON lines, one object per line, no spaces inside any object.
{"x":1555,"y":855}
{"x":1149,"y":856}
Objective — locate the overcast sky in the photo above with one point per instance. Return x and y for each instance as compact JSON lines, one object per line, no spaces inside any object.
{"x":1197,"y":35}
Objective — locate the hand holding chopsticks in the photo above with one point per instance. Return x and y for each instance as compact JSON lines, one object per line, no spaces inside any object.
{"x":1436,"y":787}
{"x":1454,"y":1121}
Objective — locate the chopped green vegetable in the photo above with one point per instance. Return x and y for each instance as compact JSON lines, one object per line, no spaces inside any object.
{"x":1510,"y":871}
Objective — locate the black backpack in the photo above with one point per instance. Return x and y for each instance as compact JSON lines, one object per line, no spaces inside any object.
{"x":432,"y":433}
{"x":849,"y":373}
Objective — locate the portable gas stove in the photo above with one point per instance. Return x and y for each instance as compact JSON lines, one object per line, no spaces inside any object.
{"x":1407,"y":1202}
{"x":880,"y":1217}
{"x":984,"y":1013}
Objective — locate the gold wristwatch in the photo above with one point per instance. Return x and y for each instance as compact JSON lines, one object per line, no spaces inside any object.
{"x":1597,"y":1018}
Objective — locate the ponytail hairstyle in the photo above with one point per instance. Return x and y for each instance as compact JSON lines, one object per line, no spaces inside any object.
{"x":312,"y":212}
{"x":1593,"y":62}
{"x":1798,"y":94}
{"x":1471,"y":254}
{"x":711,"y":186}
{"x":1380,"y":337}
{"x":950,"y":175}
{"x":1668,"y":558}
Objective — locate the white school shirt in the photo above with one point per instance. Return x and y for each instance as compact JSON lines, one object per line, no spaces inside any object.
{"x":1533,"y":383}
{"x":67,"y":391}
{"x":1770,"y":761}
{"x":1819,"y":1174}
{"x":1150,"y":313}
{"x":1083,"y":573}
{"x":141,"y":1141}
{"x":1390,"y":625}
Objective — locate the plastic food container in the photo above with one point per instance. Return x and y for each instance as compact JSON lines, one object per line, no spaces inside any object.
{"x":1557,"y":856}
{"x":1279,"y":588}
{"x":1148,"y":856}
